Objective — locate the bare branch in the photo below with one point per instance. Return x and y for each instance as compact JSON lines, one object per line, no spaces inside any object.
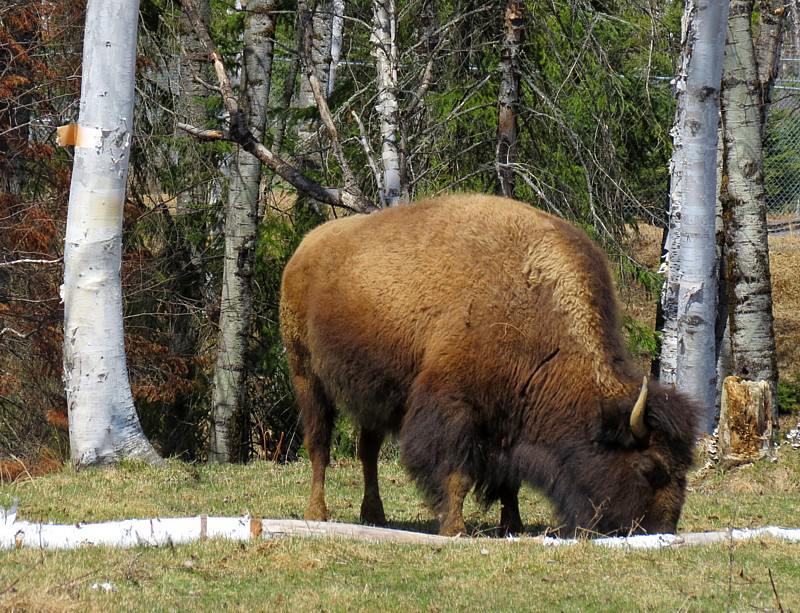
{"x":331,"y":196}
{"x":351,"y":185}
{"x":203,"y":134}
{"x":351,"y":199}
{"x":8,"y":330}
{"x":213,"y":88}
{"x":368,"y":150}
{"x":29,"y":261}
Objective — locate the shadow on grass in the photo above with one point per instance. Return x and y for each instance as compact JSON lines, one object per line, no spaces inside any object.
{"x":431,"y":526}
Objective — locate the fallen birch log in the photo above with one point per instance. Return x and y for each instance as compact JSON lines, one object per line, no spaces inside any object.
{"x":176,"y":530}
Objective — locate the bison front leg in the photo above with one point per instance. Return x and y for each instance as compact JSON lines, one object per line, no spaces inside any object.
{"x":369,"y":445}
{"x":510,"y":520}
{"x":317,"y":414}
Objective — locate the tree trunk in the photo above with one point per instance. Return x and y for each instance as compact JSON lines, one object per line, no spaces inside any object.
{"x":745,"y":421}
{"x":748,"y":275}
{"x":693,"y":199}
{"x":509,"y":98}
{"x":192,"y":64}
{"x":309,"y":155}
{"x":667,"y":316}
{"x":103,"y":425}
{"x":337,"y":33}
{"x":384,"y":38}
{"x":229,"y":433}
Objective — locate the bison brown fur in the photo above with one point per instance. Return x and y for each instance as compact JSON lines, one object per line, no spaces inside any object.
{"x":486,"y":335}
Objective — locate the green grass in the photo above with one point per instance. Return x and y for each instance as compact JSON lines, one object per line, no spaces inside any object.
{"x":337,"y":575}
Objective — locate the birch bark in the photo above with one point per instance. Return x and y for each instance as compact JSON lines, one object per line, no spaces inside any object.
{"x":229,"y":430}
{"x":695,"y":161}
{"x":671,"y":256}
{"x":752,"y":334}
{"x":384,"y":39}
{"x":337,"y":34}
{"x":768,"y":51}
{"x":103,"y":425}
{"x":509,"y":98}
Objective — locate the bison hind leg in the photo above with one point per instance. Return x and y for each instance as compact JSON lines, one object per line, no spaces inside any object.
{"x":317,"y":414}
{"x":506,"y":490}
{"x":439,"y":449}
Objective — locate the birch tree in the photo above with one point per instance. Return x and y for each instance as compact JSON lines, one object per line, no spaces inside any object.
{"x":691,"y":244}
{"x":509,"y":98}
{"x":103,"y":424}
{"x":384,"y":39}
{"x":337,"y":34}
{"x":229,"y":415}
{"x":320,"y":57}
{"x":744,"y":99}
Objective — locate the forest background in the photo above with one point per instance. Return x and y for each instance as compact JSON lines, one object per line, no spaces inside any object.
{"x":591,"y":144}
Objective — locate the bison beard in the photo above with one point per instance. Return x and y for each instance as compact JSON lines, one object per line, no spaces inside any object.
{"x":486,"y":334}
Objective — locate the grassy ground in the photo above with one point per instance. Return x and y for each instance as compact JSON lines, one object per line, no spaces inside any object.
{"x":337,"y":575}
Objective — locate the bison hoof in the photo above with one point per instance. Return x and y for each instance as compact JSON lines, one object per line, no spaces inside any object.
{"x":512,"y":529}
{"x":455,"y":528}
{"x":316,"y":512}
{"x":372,"y":513}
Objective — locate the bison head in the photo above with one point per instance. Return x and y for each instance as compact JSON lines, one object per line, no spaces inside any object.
{"x":629,"y":474}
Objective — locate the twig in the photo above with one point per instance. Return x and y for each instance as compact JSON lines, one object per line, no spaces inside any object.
{"x":368,"y":150}
{"x":775,"y":591}
{"x":278,"y":449}
{"x":29,"y":261}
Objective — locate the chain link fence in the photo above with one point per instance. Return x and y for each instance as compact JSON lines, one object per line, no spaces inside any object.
{"x":782,"y":150}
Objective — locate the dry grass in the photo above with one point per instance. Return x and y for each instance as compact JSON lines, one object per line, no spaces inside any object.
{"x":784,"y":267}
{"x":338,"y":575}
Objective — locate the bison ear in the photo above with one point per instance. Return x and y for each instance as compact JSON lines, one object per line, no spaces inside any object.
{"x":613,"y":428}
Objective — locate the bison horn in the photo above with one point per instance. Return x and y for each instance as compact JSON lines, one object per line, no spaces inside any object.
{"x":637,"y":415}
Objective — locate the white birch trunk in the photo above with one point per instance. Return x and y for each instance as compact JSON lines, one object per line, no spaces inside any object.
{"x":241,"y":224}
{"x":384,"y":39}
{"x":103,"y":425}
{"x":337,"y":32}
{"x":697,"y":129}
{"x":671,"y":257}
{"x":752,"y":332}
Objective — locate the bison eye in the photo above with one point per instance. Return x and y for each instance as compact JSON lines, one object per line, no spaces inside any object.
{"x":652,"y":469}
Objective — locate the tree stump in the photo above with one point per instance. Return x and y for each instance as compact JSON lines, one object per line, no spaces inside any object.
{"x":745,"y":422}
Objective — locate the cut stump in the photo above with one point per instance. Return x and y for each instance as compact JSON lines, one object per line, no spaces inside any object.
{"x":745,"y":422}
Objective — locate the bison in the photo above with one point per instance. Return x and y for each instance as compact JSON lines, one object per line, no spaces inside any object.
{"x":486,"y":335}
